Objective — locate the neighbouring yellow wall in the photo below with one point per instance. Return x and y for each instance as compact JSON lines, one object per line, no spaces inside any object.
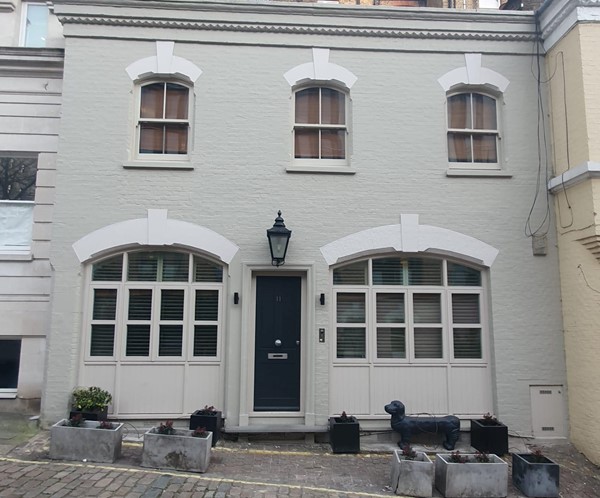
{"x":578,"y":225}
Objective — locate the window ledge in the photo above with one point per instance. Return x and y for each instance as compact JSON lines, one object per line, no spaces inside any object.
{"x":332,"y":170}
{"x":158,"y":165}
{"x":497,"y":173}
{"x":15,"y":256}
{"x":8,"y":394}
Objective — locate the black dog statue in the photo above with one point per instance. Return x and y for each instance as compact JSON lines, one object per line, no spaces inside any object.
{"x":406,"y":426}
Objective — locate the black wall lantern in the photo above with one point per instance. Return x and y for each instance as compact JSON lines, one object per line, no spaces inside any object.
{"x":279,"y":238}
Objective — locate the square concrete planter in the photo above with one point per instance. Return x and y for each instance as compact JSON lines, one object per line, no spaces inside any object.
{"x":86,"y":442}
{"x":471,"y":479}
{"x":489,"y":436}
{"x":179,"y":451}
{"x":535,"y":478}
{"x":412,"y":477}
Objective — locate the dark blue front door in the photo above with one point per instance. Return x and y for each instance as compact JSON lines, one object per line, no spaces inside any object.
{"x":277,"y":344}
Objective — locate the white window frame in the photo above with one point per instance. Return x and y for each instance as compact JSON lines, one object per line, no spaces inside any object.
{"x":473,"y":165}
{"x":120,"y":335}
{"x":446,"y":291}
{"x":23,"y":27}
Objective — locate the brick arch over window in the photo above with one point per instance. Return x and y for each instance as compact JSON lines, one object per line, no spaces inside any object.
{"x":410,"y":237}
{"x":155,"y":230}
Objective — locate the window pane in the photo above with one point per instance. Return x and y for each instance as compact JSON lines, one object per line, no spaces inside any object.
{"x":428,"y":343}
{"x":152,"y":100}
{"x":138,"y":340}
{"x":424,"y":272}
{"x":427,"y":308}
{"x":142,"y":266}
{"x":171,"y":304}
{"x":17,"y":178}
{"x":207,"y":305}
{"x":333,"y":144}
{"x":170,"y":339}
{"x":459,"y":275}
{"x":103,"y":340}
{"x":175,"y":267}
{"x":390,"y":308}
{"x":391,"y":342}
{"x":110,"y":270}
{"x":176,"y":137}
{"x":459,"y":111}
{"x":307,"y":106}
{"x":177,"y":102}
{"x":151,"y":138}
{"x":140,"y":304}
{"x":205,"y":340}
{"x":105,"y":304}
{"x":333,"y":107}
{"x":484,"y":112}
{"x":467,"y":343}
{"x":484,"y":149}
{"x":388,"y":271}
{"x":465,"y":308}
{"x":350,"y":308}
{"x":351,"y":343}
{"x":36,"y":25}
{"x":459,"y":148}
{"x":354,"y":274}
{"x":205,"y":271}
{"x":306,"y":144}
{"x":10,"y":357}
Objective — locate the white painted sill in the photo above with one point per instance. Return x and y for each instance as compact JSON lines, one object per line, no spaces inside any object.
{"x":331,"y":170}
{"x":15,"y":256}
{"x":158,"y":165}
{"x":493,"y":173}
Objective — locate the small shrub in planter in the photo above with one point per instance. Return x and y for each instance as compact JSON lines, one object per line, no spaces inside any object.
{"x":344,"y":434}
{"x":168,"y":448}
{"x":489,"y":435}
{"x":471,"y":475}
{"x":209,"y":418}
{"x":411,"y":473}
{"x":79,"y":439}
{"x":91,"y":402}
{"x":535,"y":474}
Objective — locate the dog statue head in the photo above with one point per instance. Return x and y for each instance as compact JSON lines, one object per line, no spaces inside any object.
{"x":396,"y":408}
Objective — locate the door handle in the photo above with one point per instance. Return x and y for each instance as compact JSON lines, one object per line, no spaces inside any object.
{"x":277,"y":342}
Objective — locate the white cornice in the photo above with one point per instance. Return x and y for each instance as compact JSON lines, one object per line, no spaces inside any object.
{"x":557,"y":18}
{"x":569,"y":178}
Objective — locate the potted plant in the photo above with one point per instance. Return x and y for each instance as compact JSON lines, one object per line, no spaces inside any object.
{"x":80,"y":439}
{"x":90,"y":402}
{"x":489,"y":435}
{"x":209,"y":418}
{"x":412,"y":473}
{"x":168,"y":448}
{"x":344,"y":434}
{"x":535,"y":474}
{"x":471,"y":475}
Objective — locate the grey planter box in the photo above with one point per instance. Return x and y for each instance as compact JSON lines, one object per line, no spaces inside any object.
{"x":180,"y":451}
{"x":86,"y":442}
{"x":535,"y":478}
{"x":412,"y":477}
{"x":472,"y":479}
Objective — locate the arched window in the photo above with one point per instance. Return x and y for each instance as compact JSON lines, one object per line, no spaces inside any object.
{"x":409,"y":310}
{"x":320,"y":123}
{"x":154,"y":305}
{"x":472,"y":128}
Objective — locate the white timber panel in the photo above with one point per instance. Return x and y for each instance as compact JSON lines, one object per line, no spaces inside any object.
{"x":151,"y":389}
{"x":422,"y":389}
{"x":470,"y":390}
{"x":350,"y":390}
{"x":102,"y":376}
{"x":202,"y":387}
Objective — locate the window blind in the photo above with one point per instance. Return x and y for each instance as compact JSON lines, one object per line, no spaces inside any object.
{"x":140,"y":304}
{"x":465,"y":308}
{"x":390,"y":308}
{"x":351,"y":308}
{"x":427,"y":308}
{"x":170,"y":340}
{"x":138,"y":340}
{"x":424,"y":271}
{"x":105,"y":304}
{"x":205,"y":340}
{"x":351,"y":342}
{"x":354,"y":274}
{"x":391,"y":342}
{"x":110,"y":269}
{"x":207,"y":305}
{"x":467,"y":343}
{"x":428,"y":343}
{"x":388,"y":271}
{"x":102,"y":340}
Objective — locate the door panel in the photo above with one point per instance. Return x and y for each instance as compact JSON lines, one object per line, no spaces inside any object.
{"x":277,"y":344}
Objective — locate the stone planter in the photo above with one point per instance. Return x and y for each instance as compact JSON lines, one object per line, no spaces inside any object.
{"x":534,"y":478}
{"x":489,"y":436}
{"x":86,"y":442}
{"x":412,"y":477}
{"x":471,"y":479}
{"x":179,"y":451}
{"x":344,"y":436}
{"x":212,"y":423}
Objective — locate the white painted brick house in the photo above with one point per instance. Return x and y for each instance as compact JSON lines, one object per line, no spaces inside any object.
{"x":400,"y":146}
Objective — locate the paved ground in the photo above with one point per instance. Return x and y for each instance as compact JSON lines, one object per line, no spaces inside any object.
{"x":238,"y":469}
